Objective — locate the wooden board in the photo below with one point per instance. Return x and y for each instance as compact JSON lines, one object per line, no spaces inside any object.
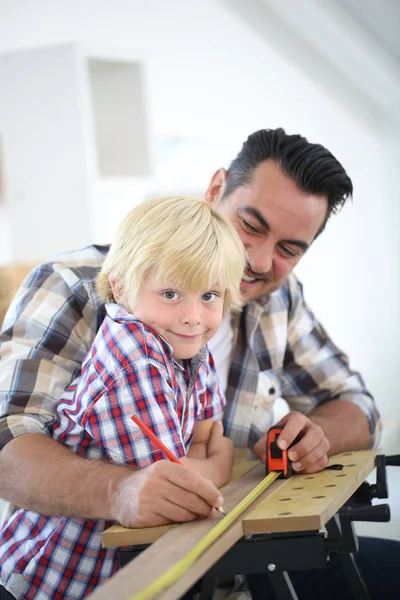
{"x":174,"y":544}
{"x":307,"y":502}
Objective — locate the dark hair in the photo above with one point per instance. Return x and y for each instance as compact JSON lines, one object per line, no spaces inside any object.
{"x":311,"y":166}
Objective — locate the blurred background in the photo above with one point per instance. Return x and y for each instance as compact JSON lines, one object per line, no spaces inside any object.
{"x":106,"y":102}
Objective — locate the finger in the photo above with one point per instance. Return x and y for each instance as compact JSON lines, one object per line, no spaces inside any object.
{"x":186,"y":500}
{"x":217,"y":432}
{"x":195,"y":484}
{"x":174,"y":513}
{"x":163,"y":514}
{"x":171,"y":503}
{"x":318,"y":466}
{"x":315,"y":456}
{"x":294,"y":424}
{"x":312,"y":438}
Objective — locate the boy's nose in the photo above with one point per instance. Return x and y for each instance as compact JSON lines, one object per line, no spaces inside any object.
{"x":191,"y":315}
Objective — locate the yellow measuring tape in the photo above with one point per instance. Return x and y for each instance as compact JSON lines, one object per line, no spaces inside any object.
{"x":172,"y":574}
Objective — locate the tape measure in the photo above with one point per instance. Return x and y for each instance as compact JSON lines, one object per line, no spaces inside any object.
{"x":276,"y":458}
{"x":172,"y":574}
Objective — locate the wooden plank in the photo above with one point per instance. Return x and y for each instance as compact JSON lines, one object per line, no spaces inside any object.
{"x":123,"y":536}
{"x":307,"y":502}
{"x":177,"y":542}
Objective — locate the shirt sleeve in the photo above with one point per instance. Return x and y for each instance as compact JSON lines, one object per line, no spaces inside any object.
{"x":213,"y":400}
{"x":144,"y":390}
{"x":314,"y":368}
{"x":47,"y":331}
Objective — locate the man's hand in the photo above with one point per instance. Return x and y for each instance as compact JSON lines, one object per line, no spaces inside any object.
{"x":37,"y":473}
{"x":310,"y":454}
{"x":163,"y":493}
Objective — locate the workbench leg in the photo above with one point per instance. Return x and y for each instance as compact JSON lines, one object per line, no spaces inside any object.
{"x":208,"y":585}
{"x":347,"y":561}
{"x":353,"y":577}
{"x":282,"y":585}
{"x":203,"y":589}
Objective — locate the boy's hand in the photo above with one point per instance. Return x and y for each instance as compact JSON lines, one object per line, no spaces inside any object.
{"x":220,"y":450}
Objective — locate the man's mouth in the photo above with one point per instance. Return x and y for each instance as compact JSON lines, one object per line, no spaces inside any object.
{"x":248,"y":279}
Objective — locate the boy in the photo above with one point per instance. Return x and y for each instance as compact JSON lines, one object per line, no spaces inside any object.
{"x":172,"y":273}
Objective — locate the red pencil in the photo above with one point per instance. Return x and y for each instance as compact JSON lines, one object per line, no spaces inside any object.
{"x":168,"y":454}
{"x":152,"y":436}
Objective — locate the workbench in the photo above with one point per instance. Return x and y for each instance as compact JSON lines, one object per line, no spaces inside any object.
{"x":293,"y":525}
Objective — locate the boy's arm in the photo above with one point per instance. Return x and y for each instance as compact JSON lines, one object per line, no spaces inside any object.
{"x":218,"y":463}
{"x":144,"y":388}
{"x":201,"y":436}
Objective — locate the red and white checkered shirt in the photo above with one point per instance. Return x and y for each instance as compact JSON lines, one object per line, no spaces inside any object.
{"x":129,"y":370}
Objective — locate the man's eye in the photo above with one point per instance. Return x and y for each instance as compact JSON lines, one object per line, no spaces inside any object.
{"x":288,"y":252}
{"x":249,"y":227}
{"x":170,"y":295}
{"x":210,"y":296}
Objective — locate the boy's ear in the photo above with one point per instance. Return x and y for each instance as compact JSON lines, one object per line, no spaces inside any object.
{"x":117,"y":289}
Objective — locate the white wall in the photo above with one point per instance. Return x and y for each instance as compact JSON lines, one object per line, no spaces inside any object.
{"x":210,"y":83}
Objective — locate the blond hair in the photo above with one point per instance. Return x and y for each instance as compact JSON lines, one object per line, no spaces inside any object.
{"x":178,"y":239}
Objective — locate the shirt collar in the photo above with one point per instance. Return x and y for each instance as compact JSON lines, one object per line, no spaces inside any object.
{"x":117,"y":312}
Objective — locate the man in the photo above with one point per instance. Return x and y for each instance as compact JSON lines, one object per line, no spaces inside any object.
{"x":279,"y":193}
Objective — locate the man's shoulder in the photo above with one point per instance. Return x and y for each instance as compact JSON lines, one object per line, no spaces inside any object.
{"x":70,"y":274}
{"x":84,"y":261}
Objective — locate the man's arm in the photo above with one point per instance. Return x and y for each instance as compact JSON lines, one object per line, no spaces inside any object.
{"x":344,"y":424}
{"x":49,"y":328}
{"x":332,"y":409}
{"x":41,"y":475}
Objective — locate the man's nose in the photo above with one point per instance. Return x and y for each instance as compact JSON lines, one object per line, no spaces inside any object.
{"x":260,"y":257}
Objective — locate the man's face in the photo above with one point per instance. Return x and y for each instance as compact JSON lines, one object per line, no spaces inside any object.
{"x":276,"y":222}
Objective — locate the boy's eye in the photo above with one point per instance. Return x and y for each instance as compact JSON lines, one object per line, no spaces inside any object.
{"x":170,"y":295}
{"x":210,"y":296}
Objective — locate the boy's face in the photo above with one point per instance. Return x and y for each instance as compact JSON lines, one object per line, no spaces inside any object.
{"x":186,"y":320}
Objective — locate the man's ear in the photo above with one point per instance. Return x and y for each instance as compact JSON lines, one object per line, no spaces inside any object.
{"x":117,"y":289}
{"x":216,"y":187}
